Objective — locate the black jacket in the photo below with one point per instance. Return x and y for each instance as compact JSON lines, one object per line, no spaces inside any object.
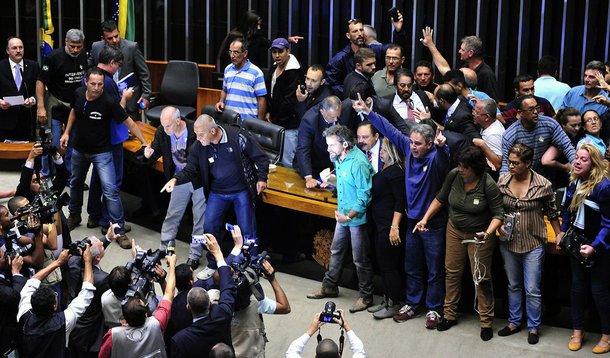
{"x":13,"y":118}
{"x":9,"y":304}
{"x":282,"y":107}
{"x":247,"y":151}
{"x":313,"y":100}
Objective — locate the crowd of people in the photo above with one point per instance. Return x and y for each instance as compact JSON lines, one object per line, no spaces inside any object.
{"x":433,"y":174}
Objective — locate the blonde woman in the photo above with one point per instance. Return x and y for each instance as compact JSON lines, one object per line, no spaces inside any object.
{"x":587,"y":211}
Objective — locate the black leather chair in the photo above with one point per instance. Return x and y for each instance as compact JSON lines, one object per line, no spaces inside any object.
{"x":178,"y":89}
{"x":270,"y":136}
{"x":227,"y":116}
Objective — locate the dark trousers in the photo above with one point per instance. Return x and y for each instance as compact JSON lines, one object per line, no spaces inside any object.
{"x":391,"y":262}
{"x":596,"y":279}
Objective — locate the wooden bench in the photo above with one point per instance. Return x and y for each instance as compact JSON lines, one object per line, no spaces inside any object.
{"x":15,"y":150}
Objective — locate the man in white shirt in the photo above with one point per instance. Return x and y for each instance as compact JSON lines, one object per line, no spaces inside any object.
{"x":326,"y":347}
{"x":491,"y":132}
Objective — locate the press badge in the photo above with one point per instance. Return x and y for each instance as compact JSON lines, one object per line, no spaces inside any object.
{"x":425,"y":168}
{"x":230,"y":150}
{"x":475,"y":202}
{"x":541,"y":139}
{"x":211,"y":160}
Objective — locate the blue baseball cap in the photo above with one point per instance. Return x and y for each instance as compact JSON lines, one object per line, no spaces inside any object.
{"x":280,"y":43}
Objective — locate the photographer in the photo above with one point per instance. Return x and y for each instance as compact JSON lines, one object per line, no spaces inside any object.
{"x":86,"y":338}
{"x":326,"y":347}
{"x":247,"y":327}
{"x":211,"y":323}
{"x":30,"y":183}
{"x":11,"y":283}
{"x":119,"y":280}
{"x":45,"y":331}
{"x":34,"y":236}
{"x":143,"y":335}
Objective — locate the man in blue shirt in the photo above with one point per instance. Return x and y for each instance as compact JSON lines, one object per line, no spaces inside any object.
{"x":427,"y":162}
{"x":353,"y":175}
{"x":589,"y":96}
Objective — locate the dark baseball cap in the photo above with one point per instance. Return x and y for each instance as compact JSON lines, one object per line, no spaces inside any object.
{"x":280,"y":43}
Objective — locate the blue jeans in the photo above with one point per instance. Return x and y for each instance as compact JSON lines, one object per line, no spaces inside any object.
{"x":47,"y":167}
{"x":524,"y":270}
{"x":215,"y":211}
{"x":426,"y":249}
{"x":96,"y":206}
{"x":290,"y":147}
{"x":179,"y":200}
{"x":361,"y":252}
{"x":104,"y":166}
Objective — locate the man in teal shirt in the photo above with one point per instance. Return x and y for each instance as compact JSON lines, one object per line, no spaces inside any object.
{"x":353,"y":179}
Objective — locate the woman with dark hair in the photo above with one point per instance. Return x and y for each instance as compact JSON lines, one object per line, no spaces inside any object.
{"x":527,"y":197}
{"x":587,"y":212}
{"x":475,"y":213}
{"x":593,"y":129}
{"x":249,"y":28}
{"x":388,"y":204}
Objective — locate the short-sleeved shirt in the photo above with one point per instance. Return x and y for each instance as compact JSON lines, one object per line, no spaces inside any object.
{"x":62,"y":73}
{"x":576,"y":97}
{"x":472,"y":210}
{"x":92,"y":123}
{"x":492,"y":135}
{"x":551,"y":89}
{"x":382,"y":87}
{"x":243,"y":87}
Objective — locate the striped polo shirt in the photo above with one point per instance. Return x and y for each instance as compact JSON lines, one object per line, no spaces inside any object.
{"x":242,"y":87}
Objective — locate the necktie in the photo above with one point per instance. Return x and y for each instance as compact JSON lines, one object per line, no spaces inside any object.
{"x":18,"y":79}
{"x":410,"y":115}
{"x":369,"y":156}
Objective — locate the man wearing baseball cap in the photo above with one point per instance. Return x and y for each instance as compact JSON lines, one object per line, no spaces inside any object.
{"x":282,"y":82}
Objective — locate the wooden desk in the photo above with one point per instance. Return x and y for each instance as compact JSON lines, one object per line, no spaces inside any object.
{"x":15,"y":150}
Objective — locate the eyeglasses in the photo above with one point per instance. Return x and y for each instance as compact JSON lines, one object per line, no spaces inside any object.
{"x":403,"y":85}
{"x":514,"y":163}
{"x":236,"y":53}
{"x":532,"y":109}
{"x":392,"y":58}
{"x":592,"y":120}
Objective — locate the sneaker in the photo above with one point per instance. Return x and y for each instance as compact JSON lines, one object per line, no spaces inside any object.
{"x":445,"y":324}
{"x":206,"y":273}
{"x":124,"y":242}
{"x":92,"y":222}
{"x":404,"y":314}
{"x":73,"y":221}
{"x":379,"y":307}
{"x":388,"y":312}
{"x":432,"y":319}
{"x":486,"y":333}
{"x":126,"y":229}
{"x":361,"y":304}
{"x":324,"y":292}
{"x":193,"y":263}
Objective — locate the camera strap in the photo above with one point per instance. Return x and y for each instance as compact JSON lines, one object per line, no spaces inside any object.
{"x":341,"y":340}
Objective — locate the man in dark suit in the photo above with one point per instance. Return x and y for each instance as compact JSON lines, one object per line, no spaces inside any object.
{"x":211,"y":323}
{"x":10,"y":287}
{"x":370,"y":144}
{"x":365,"y":69}
{"x":312,"y":156}
{"x":459,"y":113}
{"x":133,"y":61}
{"x":17,"y":78}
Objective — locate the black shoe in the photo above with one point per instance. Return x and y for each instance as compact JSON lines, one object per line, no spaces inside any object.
{"x":92,"y":222}
{"x":193,"y":263}
{"x":533,"y":337}
{"x":445,"y":324}
{"x":507,"y":331}
{"x":126,"y":228}
{"x":486,"y":333}
{"x":73,"y":221}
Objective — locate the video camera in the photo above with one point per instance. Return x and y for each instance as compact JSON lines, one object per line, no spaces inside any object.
{"x":246,"y":274}
{"x":329,"y":313}
{"x":44,"y":136}
{"x":77,"y":248}
{"x":44,"y":205}
{"x":142,"y":270}
{"x":13,"y":248}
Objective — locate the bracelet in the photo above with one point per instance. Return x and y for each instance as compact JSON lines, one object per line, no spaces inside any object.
{"x":394,"y":227}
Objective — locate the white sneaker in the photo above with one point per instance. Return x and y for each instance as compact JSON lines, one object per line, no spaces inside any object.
{"x":206,"y":273}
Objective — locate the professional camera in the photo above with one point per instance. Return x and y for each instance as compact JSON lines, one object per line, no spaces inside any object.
{"x":44,"y":205}
{"x":13,"y":248}
{"x":329,"y":312}
{"x":246,"y":274}
{"x":44,"y":136}
{"x":251,"y":259}
{"x":77,"y":248}
{"x":142,"y":270}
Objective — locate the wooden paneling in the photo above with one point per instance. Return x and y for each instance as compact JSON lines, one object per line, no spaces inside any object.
{"x":206,"y":96}
{"x":157,"y":70}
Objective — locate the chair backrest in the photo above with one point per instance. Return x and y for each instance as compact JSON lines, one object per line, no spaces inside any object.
{"x":270,"y":136}
{"x":227,"y":116}
{"x":180,"y":82}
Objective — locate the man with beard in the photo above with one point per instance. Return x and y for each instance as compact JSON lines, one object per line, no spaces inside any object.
{"x":365,"y":69}
{"x":315,"y":89}
{"x":353,"y":180}
{"x":133,"y":62}
{"x":384,"y":80}
{"x":343,"y":62}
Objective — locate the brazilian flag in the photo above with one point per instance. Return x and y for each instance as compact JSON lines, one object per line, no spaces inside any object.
{"x":47,"y":29}
{"x":123,"y":12}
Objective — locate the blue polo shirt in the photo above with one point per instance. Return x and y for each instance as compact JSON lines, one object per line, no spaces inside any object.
{"x":243,"y":87}
{"x":576,"y":98}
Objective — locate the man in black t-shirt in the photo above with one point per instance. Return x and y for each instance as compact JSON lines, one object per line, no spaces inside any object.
{"x":90,"y":116}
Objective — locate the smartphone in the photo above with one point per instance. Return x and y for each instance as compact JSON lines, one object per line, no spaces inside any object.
{"x":302,"y":88}
{"x":393,"y":14}
{"x":199,"y":239}
{"x":229,"y":227}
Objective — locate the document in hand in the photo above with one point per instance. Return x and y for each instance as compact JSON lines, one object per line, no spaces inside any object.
{"x":129,"y":81}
